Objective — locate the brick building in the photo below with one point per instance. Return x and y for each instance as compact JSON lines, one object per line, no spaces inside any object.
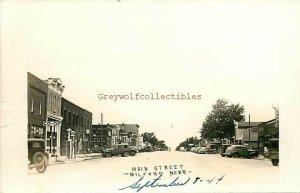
{"x":37,"y":91}
{"x":79,"y":120}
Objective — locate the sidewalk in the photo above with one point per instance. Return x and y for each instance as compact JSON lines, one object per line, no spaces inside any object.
{"x":261,"y":157}
{"x":78,"y":158}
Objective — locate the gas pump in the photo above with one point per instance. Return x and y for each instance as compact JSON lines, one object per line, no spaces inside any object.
{"x":70,"y":144}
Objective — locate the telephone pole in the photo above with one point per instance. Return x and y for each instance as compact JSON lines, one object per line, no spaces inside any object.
{"x":249,"y":132}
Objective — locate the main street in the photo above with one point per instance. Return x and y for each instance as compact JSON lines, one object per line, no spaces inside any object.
{"x":208,"y":172}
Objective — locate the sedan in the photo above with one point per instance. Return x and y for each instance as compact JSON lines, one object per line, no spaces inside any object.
{"x":239,"y":151}
{"x":206,"y":150}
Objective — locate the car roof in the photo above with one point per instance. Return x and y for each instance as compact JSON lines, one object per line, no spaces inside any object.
{"x":238,"y":146}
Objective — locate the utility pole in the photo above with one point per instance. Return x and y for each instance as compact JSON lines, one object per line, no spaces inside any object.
{"x":249,"y":132}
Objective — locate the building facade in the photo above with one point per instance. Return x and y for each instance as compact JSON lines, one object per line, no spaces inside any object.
{"x":54,"y":118}
{"x":101,"y":136}
{"x":266,"y":131}
{"x":246,"y":133}
{"x":130,"y":134}
{"x":78,"y":120}
{"x":37,"y":91}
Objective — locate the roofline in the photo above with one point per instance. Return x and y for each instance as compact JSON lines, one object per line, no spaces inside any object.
{"x":29,"y":73}
{"x":76,"y":105}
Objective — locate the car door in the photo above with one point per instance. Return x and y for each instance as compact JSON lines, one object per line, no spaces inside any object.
{"x":244,"y":152}
{"x":116,"y":150}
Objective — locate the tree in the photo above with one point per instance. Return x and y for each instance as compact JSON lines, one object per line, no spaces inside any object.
{"x":162,"y":145}
{"x":192,"y":140}
{"x":219,"y":123}
{"x":150,"y":138}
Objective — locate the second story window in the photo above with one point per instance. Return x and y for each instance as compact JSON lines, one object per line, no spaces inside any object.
{"x":40,"y":112}
{"x":32,"y":108}
{"x":54,"y":104}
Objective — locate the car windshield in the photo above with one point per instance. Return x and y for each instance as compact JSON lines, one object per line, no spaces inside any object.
{"x":231,"y":148}
{"x":37,"y":145}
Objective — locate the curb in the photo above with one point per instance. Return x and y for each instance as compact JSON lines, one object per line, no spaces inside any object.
{"x":73,"y":161}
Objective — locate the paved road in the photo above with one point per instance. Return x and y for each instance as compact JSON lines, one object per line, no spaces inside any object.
{"x":112,"y":174}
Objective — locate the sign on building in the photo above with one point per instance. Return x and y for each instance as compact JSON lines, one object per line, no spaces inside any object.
{"x":277,"y":117}
{"x":51,"y":123}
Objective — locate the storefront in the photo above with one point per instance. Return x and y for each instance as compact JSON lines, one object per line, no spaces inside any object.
{"x":267,"y":130}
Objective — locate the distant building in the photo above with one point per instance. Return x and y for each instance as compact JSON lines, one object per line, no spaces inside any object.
{"x":267,"y":131}
{"x":130,"y":134}
{"x":78,"y":120}
{"x":37,"y":91}
{"x":101,"y":136}
{"x":247,"y":134}
{"x":109,"y":135}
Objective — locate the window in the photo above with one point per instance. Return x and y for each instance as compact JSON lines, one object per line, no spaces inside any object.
{"x":74,"y":119}
{"x":37,"y":145}
{"x":58,"y":105}
{"x":70,"y":116}
{"x":50,"y":105}
{"x":49,"y":100}
{"x":32,"y":105}
{"x":40,"y":108}
{"x":54,"y":104}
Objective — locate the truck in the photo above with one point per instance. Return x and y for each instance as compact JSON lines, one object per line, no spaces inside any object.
{"x":120,"y":149}
{"x":274,"y":151}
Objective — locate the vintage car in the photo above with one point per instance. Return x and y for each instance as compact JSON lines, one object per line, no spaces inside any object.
{"x":206,"y":150}
{"x":274,"y":151}
{"x":37,"y":155}
{"x":196,"y":149}
{"x":239,"y":151}
{"x":120,"y":149}
{"x":147,"y":149}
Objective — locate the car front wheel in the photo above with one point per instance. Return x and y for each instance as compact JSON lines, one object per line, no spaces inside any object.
{"x":41,"y":169}
{"x":107,"y":154}
{"x":275,"y":162}
{"x":40,"y":162}
{"x":132,"y":153}
{"x":126,"y":154}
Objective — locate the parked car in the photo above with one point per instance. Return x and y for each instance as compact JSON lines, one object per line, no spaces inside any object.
{"x":120,"y":149}
{"x":206,"y":150}
{"x":146,"y":149}
{"x":182,"y":149}
{"x":197,"y":149}
{"x":37,"y":155}
{"x":274,"y":151}
{"x":193,"y":149}
{"x":239,"y":151}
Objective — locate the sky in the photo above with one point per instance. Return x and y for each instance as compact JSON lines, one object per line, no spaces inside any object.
{"x":217,"y":50}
